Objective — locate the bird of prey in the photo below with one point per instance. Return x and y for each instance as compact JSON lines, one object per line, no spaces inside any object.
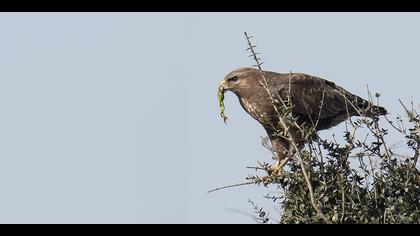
{"x":314,"y":101}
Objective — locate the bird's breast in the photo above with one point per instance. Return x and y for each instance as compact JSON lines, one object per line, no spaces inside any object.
{"x":253,"y":109}
{"x":249,"y":105}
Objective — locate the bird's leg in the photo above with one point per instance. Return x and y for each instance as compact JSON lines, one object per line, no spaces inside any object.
{"x":278,"y":167}
{"x":283,"y":151}
{"x":281,"y":155}
{"x":275,"y":171}
{"x":280,"y":151}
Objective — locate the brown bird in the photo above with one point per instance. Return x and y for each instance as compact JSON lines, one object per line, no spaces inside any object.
{"x":314,"y":101}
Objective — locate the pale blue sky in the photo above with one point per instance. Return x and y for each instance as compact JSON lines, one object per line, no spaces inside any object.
{"x":113,"y":117}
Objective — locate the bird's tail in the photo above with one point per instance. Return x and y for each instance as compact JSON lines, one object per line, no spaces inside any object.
{"x":368,"y":109}
{"x":375,"y":111}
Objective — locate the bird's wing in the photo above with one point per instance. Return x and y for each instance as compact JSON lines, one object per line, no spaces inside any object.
{"x":316,"y":97}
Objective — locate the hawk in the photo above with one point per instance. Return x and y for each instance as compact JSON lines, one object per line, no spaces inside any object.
{"x":314,"y":101}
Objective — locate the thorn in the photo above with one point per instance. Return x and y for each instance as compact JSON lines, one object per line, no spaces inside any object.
{"x":248,"y":36}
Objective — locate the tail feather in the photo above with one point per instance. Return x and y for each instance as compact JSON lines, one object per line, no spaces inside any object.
{"x":376,"y":111}
{"x":370,"y":110}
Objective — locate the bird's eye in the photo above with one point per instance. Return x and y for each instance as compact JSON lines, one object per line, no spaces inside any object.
{"x":233,"y":79}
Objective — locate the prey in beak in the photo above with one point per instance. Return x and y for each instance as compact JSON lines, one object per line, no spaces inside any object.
{"x":221,"y":96}
{"x":231,"y":82}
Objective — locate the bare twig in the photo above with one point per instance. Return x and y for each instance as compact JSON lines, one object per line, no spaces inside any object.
{"x":415,"y":132}
{"x":343,"y":205}
{"x":378,"y":133}
{"x":231,"y":186}
{"x":286,"y":130}
{"x":395,"y":127}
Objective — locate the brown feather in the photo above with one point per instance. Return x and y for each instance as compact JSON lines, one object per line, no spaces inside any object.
{"x":314,"y":100}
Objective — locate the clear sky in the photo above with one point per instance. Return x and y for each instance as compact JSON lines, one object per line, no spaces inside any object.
{"x":113,"y":117}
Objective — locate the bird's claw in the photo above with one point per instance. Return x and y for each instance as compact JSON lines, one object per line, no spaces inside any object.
{"x":276,"y":169}
{"x":274,"y":173}
{"x":266,"y":180}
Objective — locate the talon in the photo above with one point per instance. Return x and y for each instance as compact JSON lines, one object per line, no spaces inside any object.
{"x":266,"y":180}
{"x":277,"y":169}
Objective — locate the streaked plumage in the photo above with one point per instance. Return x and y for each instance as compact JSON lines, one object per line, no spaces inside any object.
{"x":313,"y":99}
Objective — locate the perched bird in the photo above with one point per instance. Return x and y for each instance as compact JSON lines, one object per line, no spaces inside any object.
{"x":314,"y":101}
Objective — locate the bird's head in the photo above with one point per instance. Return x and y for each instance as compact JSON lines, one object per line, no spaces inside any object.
{"x":237,"y":79}
{"x":235,"y":82}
